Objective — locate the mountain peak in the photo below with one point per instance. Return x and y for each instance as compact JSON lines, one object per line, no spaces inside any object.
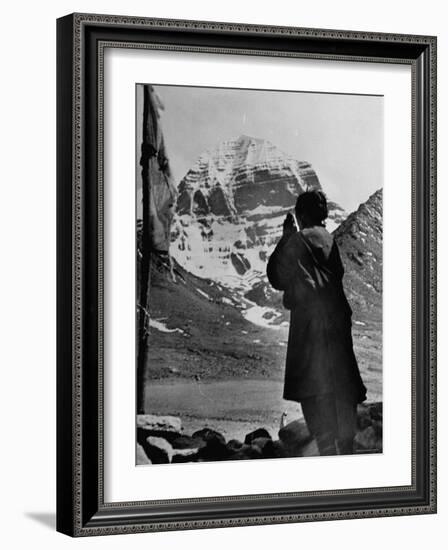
{"x":223,"y":179}
{"x":244,"y":137}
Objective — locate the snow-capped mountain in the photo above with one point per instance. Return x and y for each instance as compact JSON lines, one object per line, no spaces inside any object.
{"x":230,"y":210}
{"x":242,"y":175}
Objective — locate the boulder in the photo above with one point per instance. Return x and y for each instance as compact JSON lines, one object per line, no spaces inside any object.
{"x":363,"y":419}
{"x":158,"y":450}
{"x":277,"y":449}
{"x":259,"y":433}
{"x":366,"y":440}
{"x":247,"y":452}
{"x":269,"y":448}
{"x":167,"y":427}
{"x":295,"y":434}
{"x":261,"y":442}
{"x":159,"y":423}
{"x":184,"y":455}
{"x":207,"y":434}
{"x":183,"y":459}
{"x":378,"y":427}
{"x":215,"y":449}
{"x":376,"y":411}
{"x":234,"y":445}
{"x":309,"y":449}
{"x":188,"y":442}
{"x":141,"y":457}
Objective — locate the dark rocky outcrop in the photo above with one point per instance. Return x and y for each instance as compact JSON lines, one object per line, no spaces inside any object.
{"x":360,"y":241}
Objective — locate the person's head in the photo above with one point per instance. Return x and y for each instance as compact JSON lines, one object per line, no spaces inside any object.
{"x":311,"y":209}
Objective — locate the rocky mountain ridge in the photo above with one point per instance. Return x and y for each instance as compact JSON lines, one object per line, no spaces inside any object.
{"x":360,"y":241}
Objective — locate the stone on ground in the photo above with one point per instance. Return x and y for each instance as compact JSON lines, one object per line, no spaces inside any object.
{"x":260,"y":432}
{"x":141,"y":457}
{"x":159,"y":450}
{"x":168,"y":427}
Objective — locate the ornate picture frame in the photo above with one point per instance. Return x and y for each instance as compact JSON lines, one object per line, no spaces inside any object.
{"x":81,"y":506}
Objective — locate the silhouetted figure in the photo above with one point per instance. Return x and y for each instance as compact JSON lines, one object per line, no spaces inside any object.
{"x":321,"y":369}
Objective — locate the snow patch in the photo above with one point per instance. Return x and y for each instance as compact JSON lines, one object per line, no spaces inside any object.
{"x":261,"y":316}
{"x":331,"y":225}
{"x":158,"y":325}
{"x":203,"y":293}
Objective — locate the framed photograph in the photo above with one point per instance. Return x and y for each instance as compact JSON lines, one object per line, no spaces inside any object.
{"x":246,"y":274}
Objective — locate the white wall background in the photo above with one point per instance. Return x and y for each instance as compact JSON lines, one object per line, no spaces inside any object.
{"x":27,"y":287}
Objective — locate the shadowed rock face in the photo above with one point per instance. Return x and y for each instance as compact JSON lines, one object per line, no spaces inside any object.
{"x":360,"y":240}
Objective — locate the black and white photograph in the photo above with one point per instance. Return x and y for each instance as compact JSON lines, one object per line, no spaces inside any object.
{"x":229,"y":220}
{"x":259,"y":274}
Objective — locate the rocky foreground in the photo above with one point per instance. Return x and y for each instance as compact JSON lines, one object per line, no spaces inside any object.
{"x":161,"y":440}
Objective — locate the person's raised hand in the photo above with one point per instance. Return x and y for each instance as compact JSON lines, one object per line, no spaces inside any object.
{"x":289,"y":227}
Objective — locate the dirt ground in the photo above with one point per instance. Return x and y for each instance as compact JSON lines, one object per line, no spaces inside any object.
{"x":232,"y":407}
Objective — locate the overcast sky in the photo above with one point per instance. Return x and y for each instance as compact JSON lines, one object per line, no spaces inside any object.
{"x":340,"y":135}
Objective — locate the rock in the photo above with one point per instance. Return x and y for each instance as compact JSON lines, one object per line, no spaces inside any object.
{"x":182,"y":459}
{"x":214,"y":450}
{"x":184,"y":455}
{"x":259,"y":433}
{"x":167,"y":427}
{"x":360,"y":242}
{"x":269,"y":448}
{"x":207,"y":434}
{"x":158,"y":450}
{"x":295,"y":434}
{"x":277,"y":449}
{"x":363,"y":420}
{"x":376,"y":411}
{"x":309,"y":449}
{"x":378,"y":427}
{"x":261,"y":442}
{"x":215,"y":445}
{"x":366,"y":440}
{"x":141,"y":457}
{"x":234,"y":445}
{"x":247,"y":452}
{"x":159,"y":423}
{"x":187,"y":442}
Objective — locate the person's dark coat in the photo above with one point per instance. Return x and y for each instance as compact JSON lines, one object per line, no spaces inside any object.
{"x":320,"y":360}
